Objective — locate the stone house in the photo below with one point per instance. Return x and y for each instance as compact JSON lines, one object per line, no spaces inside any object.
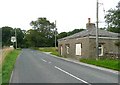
{"x":83,"y":44}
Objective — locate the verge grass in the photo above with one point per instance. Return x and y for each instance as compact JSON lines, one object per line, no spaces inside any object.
{"x":52,"y":50}
{"x":107,"y":63}
{"x":5,"y":52}
{"x":8,"y":65}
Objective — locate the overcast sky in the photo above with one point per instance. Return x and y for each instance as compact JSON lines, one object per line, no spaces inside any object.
{"x":69,"y":14}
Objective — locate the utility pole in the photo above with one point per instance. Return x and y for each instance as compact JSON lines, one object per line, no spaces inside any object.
{"x":16,"y":37}
{"x":55,"y":33}
{"x":97,"y":35}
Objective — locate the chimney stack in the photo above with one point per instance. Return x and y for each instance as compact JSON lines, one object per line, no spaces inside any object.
{"x":88,"y":20}
{"x":90,"y":25}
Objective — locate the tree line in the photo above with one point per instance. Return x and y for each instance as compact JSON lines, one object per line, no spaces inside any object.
{"x":33,"y":37}
{"x":43,"y":31}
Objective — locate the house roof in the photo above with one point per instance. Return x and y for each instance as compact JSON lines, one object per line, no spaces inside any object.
{"x":92,"y":32}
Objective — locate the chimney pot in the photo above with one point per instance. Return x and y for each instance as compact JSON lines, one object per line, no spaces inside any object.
{"x":88,"y":20}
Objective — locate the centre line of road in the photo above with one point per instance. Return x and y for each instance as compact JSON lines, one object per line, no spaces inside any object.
{"x":72,"y":75}
{"x":43,"y":60}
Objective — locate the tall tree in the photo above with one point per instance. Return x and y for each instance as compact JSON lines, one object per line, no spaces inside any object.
{"x":20,"y":37}
{"x":65,"y":34}
{"x":74,"y":31}
{"x":113,"y":19}
{"x":44,"y":30}
{"x":62,"y":35}
{"x":8,"y":32}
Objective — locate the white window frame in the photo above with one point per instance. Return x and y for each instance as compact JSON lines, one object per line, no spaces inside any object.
{"x":101,"y":48}
{"x":78,"y":49}
{"x":61,"y":50}
{"x":67,"y":49}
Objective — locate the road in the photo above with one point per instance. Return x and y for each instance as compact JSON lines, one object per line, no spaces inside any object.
{"x":37,"y":67}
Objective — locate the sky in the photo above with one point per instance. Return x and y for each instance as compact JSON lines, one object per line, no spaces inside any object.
{"x":69,"y":14}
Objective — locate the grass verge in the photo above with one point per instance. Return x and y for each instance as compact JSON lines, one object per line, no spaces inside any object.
{"x":52,"y":50}
{"x":107,"y":63}
{"x":8,"y":65}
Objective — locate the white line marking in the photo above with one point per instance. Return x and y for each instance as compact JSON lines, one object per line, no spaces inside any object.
{"x":11,"y":77}
{"x":44,"y":60}
{"x":72,"y":75}
{"x":49,"y":62}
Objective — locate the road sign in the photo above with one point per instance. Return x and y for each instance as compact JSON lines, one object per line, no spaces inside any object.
{"x":13,"y":39}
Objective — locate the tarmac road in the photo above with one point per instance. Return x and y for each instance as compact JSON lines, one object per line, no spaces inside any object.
{"x":37,"y":67}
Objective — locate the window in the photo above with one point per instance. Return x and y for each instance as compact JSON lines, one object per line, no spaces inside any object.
{"x":61,"y":50}
{"x":100,"y":50}
{"x":78,"y":49}
{"x":67,"y":48}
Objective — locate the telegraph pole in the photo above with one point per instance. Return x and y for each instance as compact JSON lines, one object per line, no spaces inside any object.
{"x":16,"y":37}
{"x":55,"y":33}
{"x":97,"y":41}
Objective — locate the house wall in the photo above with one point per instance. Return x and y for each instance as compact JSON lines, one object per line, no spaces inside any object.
{"x":108,"y":46}
{"x":88,"y":47}
{"x":72,"y":49}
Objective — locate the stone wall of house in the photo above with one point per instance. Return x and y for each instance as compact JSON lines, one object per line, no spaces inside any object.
{"x":108,"y":46}
{"x":88,"y":47}
{"x":72,"y":47}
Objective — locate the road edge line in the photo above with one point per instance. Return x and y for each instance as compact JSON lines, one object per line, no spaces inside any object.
{"x":11,"y":77}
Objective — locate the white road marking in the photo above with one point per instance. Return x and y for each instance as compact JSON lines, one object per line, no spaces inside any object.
{"x":72,"y":75}
{"x":49,"y":62}
{"x":43,"y":60}
{"x":11,"y":77}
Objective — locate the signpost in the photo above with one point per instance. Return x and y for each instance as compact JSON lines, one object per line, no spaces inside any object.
{"x":13,"y":39}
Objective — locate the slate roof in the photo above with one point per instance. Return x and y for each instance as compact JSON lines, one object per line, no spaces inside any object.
{"x":92,"y":32}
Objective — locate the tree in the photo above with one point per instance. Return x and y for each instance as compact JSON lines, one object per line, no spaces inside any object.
{"x":74,"y":31}
{"x":65,"y":34}
{"x":31,"y":38}
{"x":43,"y":32}
{"x":62,"y":35}
{"x":20,"y":37}
{"x":8,"y":32}
{"x":113,"y":19}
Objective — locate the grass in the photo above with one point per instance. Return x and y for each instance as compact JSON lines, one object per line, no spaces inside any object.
{"x":53,"y":50}
{"x":5,"y":51}
{"x":8,"y":65}
{"x":107,"y":63}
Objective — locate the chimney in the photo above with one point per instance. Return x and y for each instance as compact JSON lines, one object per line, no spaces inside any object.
{"x":90,"y":25}
{"x":88,"y":20}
